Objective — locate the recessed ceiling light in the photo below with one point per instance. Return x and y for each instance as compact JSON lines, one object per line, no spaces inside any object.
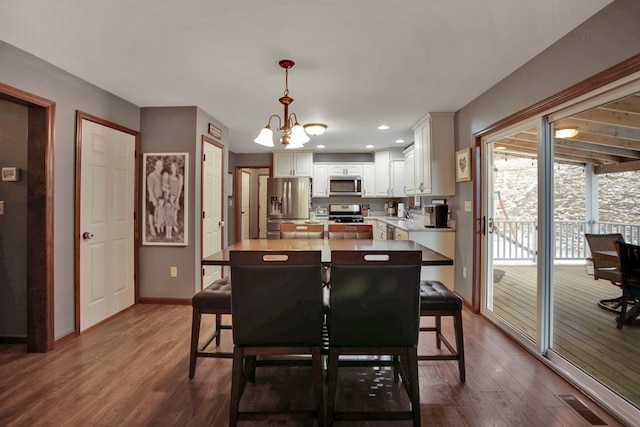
{"x":320,"y":146}
{"x":399,"y":141}
{"x":383,"y":127}
{"x":369,"y":146}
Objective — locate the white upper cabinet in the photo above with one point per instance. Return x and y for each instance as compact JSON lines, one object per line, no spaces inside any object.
{"x":345,"y":170}
{"x":368,"y":180}
{"x":409,"y":173}
{"x":320,"y":182}
{"x":286,"y":164}
{"x":434,"y":155}
{"x":389,"y":176}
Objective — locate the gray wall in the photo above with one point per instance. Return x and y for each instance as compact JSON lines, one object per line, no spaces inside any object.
{"x":13,"y":224}
{"x":31,"y":74}
{"x":606,"y":39}
{"x":176,"y":129}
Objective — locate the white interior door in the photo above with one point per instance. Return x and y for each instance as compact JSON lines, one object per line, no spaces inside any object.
{"x":212,"y":224}
{"x":107,"y":185}
{"x":245,"y":207}
{"x":262,"y":206}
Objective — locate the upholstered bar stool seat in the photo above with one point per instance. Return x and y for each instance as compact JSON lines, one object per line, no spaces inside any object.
{"x":214,"y":299}
{"x":437,"y":300}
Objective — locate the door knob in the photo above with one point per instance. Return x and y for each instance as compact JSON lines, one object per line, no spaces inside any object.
{"x":87,"y":236}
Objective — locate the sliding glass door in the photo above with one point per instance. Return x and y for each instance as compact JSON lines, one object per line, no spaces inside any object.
{"x":511,"y":223}
{"x":546,"y":183}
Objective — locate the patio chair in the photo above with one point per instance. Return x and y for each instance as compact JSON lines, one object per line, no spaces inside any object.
{"x":630,"y":268}
{"x":603,"y":268}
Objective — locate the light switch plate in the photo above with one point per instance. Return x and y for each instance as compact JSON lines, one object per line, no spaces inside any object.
{"x":1,"y":208}
{"x":467,"y":206}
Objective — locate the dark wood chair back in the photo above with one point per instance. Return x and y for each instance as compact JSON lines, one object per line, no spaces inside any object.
{"x":276,"y":298}
{"x":374,"y":298}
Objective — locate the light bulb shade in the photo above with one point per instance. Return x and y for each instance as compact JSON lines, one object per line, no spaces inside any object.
{"x":265,"y":138}
{"x":298,"y":136}
{"x":315,"y":129}
{"x":566,"y":133}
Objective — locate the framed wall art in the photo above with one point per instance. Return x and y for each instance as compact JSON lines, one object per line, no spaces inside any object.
{"x":165,"y":208}
{"x":463,"y":165}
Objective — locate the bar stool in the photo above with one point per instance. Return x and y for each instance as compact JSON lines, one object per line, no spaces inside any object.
{"x":214,"y":299}
{"x":437,"y":300}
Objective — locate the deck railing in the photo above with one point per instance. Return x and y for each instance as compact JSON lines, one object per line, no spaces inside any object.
{"x":518,"y":240}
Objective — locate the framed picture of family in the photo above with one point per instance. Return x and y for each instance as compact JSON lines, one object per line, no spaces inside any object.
{"x":164,"y":188}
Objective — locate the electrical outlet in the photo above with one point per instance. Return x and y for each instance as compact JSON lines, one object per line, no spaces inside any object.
{"x":464,"y":272}
{"x":173,"y":272}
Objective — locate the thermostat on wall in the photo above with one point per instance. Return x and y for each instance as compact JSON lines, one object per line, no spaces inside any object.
{"x":9,"y":174}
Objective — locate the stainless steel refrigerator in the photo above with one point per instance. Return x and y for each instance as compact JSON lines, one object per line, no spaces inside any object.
{"x":288,"y":199}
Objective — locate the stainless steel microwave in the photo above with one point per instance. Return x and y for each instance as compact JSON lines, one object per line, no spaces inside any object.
{"x":345,"y":186}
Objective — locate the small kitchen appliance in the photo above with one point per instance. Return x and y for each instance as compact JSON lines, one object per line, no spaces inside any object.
{"x":401,"y":211}
{"x":436,"y":216}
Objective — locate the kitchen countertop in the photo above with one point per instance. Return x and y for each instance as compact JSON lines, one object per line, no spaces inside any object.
{"x":408,"y":225}
{"x":411,"y":226}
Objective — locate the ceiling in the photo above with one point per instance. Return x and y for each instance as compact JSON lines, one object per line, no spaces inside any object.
{"x":359,"y":63}
{"x":608,"y":138}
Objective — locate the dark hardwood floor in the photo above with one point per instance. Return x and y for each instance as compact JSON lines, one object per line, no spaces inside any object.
{"x":133,"y":371}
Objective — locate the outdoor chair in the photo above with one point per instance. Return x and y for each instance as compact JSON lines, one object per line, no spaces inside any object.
{"x":604,"y":267}
{"x":630,"y":268}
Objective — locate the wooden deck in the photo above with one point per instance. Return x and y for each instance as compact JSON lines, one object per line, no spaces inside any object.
{"x":583,"y":332}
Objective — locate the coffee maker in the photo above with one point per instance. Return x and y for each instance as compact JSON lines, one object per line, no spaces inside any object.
{"x":436,"y":216}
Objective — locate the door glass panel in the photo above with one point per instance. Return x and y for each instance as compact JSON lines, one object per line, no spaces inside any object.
{"x":511,"y":284}
{"x":596,"y":191}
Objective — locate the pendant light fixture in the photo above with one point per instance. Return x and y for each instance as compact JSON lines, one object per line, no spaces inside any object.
{"x":293,"y":134}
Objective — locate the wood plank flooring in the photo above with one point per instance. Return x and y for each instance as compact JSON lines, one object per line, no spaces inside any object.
{"x":583,"y":332}
{"x":133,"y":371}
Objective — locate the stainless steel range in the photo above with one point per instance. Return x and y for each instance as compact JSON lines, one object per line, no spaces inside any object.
{"x":346,"y":213}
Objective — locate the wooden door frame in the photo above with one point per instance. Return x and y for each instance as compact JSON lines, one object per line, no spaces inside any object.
{"x":237,"y":185}
{"x":40,"y":285}
{"x":259,"y":175}
{"x":136,"y":201}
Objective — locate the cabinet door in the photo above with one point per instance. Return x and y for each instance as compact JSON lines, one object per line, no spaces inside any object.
{"x":353,"y":170}
{"x":282,"y":164}
{"x":337,"y":170}
{"x":303,"y":164}
{"x":409,"y":175}
{"x":368,"y":181}
{"x":320,"y":182}
{"x":396,"y":176}
{"x":401,"y":234}
{"x":382,"y":173}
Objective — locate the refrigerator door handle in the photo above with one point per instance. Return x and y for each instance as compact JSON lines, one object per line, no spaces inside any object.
{"x":289,"y":200}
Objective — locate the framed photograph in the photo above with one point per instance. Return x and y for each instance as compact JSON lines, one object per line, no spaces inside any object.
{"x":165,"y":207}
{"x":463,"y":165}
{"x":215,"y":131}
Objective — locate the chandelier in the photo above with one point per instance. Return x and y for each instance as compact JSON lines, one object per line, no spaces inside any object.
{"x":293,"y":134}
